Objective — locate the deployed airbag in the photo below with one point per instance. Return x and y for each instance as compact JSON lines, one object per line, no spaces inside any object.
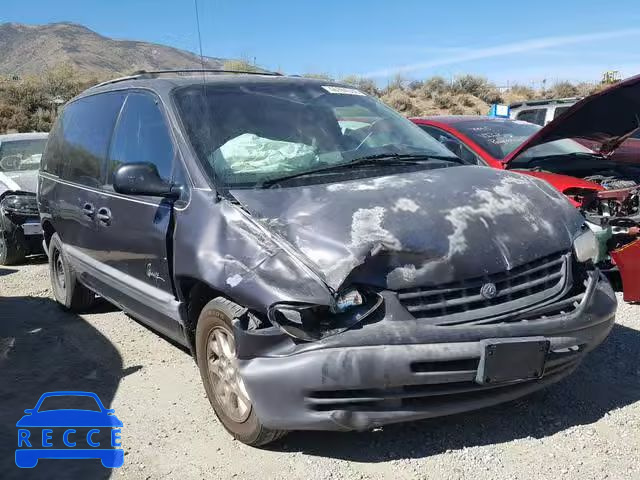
{"x":249,"y":153}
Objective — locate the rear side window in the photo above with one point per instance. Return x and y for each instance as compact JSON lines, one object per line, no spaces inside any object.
{"x":559,"y":111}
{"x":536,"y":116}
{"x":85,"y":130}
{"x":52,"y":156}
{"x":142,"y":135}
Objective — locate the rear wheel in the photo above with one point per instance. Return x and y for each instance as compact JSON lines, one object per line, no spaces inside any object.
{"x":66,"y":289}
{"x":216,"y":356}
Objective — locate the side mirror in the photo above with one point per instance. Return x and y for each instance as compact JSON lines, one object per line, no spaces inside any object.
{"x":142,"y":179}
{"x":29,"y":411}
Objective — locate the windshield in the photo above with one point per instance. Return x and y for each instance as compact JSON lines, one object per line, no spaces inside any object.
{"x":19,"y":155}
{"x":247,"y":134}
{"x":501,"y":137}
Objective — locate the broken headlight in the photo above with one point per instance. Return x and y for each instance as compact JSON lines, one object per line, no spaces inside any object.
{"x":314,"y":322}
{"x":586,"y":246}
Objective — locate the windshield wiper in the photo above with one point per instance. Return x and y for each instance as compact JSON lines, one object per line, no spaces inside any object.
{"x":386,"y":159}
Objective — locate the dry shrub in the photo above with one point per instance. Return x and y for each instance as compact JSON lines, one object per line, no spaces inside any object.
{"x":519,"y":93}
{"x":240,"y":66}
{"x":401,"y":101}
{"x":444,"y":100}
{"x":318,"y":76}
{"x":561,"y":90}
{"x":435,"y":85}
{"x":365,"y":85}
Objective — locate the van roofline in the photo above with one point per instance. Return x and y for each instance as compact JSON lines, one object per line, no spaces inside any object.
{"x":146,"y":74}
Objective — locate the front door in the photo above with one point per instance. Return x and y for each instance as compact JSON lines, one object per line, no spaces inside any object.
{"x":134,"y":231}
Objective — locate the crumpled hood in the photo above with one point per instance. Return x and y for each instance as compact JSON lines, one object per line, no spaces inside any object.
{"x":26,"y":181}
{"x":607,"y":118}
{"x":420,"y":228}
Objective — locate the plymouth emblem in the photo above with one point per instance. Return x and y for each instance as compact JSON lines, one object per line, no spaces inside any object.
{"x":488,"y":290}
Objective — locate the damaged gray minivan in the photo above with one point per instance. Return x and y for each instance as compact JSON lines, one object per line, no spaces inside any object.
{"x":330,"y":266}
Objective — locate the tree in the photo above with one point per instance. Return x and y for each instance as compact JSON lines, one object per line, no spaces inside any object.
{"x":62,"y":82}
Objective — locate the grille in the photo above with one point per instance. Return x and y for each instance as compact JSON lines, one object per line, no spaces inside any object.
{"x":516,"y":289}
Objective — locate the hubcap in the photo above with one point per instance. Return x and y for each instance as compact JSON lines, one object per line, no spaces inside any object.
{"x":58,"y":269}
{"x":228,"y":386}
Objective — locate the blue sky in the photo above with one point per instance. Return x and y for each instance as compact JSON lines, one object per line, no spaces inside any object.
{"x":507,"y":41}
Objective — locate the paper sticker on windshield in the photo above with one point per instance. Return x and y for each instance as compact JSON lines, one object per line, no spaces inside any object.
{"x":342,"y":90}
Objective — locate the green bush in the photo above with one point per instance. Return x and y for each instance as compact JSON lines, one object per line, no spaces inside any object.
{"x":31,"y":103}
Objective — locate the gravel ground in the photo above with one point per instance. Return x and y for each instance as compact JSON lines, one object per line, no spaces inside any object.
{"x":587,"y":426}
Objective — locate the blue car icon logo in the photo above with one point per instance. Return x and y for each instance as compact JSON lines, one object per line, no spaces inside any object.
{"x":84,"y":433}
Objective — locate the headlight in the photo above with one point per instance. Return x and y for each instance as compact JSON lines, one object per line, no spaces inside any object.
{"x":313,"y":322}
{"x":586,"y":246}
{"x":20,"y":204}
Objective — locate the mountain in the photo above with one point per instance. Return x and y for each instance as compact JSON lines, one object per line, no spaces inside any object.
{"x":30,"y":49}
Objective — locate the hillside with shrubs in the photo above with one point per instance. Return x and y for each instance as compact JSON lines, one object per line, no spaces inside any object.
{"x":31,"y":103}
{"x":465,"y":95}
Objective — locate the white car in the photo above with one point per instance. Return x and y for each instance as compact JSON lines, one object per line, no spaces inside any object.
{"x":20,"y":230}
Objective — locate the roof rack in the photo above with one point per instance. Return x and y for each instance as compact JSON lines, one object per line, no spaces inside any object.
{"x":152,"y":73}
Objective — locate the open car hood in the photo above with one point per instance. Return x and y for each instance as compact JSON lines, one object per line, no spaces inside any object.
{"x":608,"y":118}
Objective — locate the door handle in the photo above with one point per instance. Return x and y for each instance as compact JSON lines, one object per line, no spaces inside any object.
{"x":88,"y":210}
{"x":104,"y":216}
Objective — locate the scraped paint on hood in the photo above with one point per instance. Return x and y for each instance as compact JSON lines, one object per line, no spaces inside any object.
{"x":420,"y":228}
{"x":607,"y":118}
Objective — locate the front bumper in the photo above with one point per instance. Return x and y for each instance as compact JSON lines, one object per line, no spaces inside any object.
{"x":396,"y":369}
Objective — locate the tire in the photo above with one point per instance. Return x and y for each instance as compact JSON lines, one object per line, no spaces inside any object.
{"x":11,"y":252}
{"x":214,"y":323}
{"x":67,"y":291}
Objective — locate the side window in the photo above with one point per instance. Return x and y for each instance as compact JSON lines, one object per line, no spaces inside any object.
{"x":51,"y":161}
{"x":142,"y":135}
{"x":559,"y":111}
{"x":453,"y":144}
{"x":536,"y":115}
{"x":85,"y":130}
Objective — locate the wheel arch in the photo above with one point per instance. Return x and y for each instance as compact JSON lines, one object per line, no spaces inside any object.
{"x":195,"y":294}
{"x":47,"y":231}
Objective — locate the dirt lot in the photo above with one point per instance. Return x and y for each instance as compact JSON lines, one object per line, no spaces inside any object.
{"x":588,"y":426}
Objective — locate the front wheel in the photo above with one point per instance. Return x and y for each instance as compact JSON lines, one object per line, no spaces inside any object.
{"x":216,"y":356}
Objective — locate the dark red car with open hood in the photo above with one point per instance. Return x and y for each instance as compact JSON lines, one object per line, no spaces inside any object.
{"x":605,"y":186}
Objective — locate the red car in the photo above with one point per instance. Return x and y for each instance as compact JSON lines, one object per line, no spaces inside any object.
{"x":604,"y":186}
